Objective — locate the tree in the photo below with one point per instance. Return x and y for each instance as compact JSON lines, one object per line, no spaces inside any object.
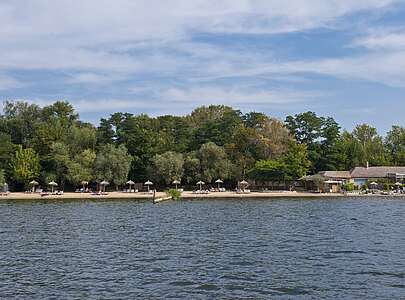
{"x":25,"y":165}
{"x":168,"y":166}
{"x":192,"y":167}
{"x":321,"y":135}
{"x":81,"y":167}
{"x":112,"y":164}
{"x":296,"y":161}
{"x":395,"y":143}
{"x":60,"y":160}
{"x":269,"y":170}
{"x":213,"y":161}
{"x":371,"y":145}
{"x":2,"y":179}
{"x":7,"y":150}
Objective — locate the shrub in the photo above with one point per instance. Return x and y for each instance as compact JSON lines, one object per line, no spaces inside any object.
{"x":349,"y":187}
{"x":175,"y":194}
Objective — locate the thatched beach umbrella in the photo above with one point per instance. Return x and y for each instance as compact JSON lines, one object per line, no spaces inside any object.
{"x":52,"y":184}
{"x":148,"y":184}
{"x":130,"y":183}
{"x":176,"y":183}
{"x":219,"y":181}
{"x":34,"y":184}
{"x":84,"y":183}
{"x":244,"y":183}
{"x":104,"y":184}
{"x":200,"y":183}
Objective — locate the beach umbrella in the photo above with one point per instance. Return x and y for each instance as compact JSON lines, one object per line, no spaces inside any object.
{"x":34,"y":184}
{"x":84,"y":183}
{"x":374,"y":184}
{"x":219,"y":181}
{"x":130,"y":183}
{"x":176,"y":183}
{"x":200,"y":183}
{"x":244,"y":182}
{"x":148,"y":184}
{"x":52,"y":184}
{"x":104,"y":184}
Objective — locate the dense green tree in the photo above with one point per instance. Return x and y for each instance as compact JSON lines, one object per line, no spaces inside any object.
{"x":269,"y":170}
{"x":215,"y":123}
{"x":25,"y":165}
{"x":168,"y":167}
{"x":60,"y":160}
{"x":371,"y":145}
{"x":192,"y":167}
{"x":395,"y":143}
{"x":214,"y":162}
{"x":7,"y":150}
{"x":215,"y":141}
{"x":291,"y":166}
{"x":322,"y":136}
{"x":112,"y":164}
{"x":81,"y":167}
{"x":2,"y":179}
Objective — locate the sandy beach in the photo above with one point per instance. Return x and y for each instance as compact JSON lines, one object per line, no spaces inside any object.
{"x":147,"y":196}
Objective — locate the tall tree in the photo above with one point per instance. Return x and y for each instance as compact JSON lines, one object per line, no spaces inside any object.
{"x":113,"y":164}
{"x":25,"y":165}
{"x":168,"y":167}
{"x":395,"y":143}
{"x":214,"y":162}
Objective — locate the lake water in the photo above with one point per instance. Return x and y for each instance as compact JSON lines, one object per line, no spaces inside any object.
{"x":203,"y":249}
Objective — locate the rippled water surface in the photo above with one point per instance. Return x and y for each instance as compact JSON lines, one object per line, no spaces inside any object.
{"x":205,"y":249}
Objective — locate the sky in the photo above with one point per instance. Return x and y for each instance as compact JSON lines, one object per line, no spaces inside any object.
{"x":339,"y":58}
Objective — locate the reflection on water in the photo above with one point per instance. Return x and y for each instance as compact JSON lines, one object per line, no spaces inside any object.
{"x":208,"y":249}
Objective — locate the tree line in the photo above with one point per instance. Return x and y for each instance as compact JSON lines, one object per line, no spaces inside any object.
{"x":51,"y":143}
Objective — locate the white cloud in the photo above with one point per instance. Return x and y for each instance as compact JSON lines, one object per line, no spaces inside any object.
{"x":93,"y":34}
{"x":236,"y":96}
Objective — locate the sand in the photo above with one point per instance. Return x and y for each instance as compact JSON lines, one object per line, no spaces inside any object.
{"x":148,"y":196}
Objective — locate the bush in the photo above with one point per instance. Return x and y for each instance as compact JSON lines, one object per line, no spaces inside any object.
{"x":349,"y":187}
{"x":175,"y":194}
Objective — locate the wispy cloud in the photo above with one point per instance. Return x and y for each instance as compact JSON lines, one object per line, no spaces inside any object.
{"x":141,"y":54}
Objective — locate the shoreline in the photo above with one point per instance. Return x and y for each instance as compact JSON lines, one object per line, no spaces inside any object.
{"x":187,"y":195}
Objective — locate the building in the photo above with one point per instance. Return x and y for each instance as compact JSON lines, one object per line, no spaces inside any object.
{"x":326,"y":181}
{"x":332,"y":181}
{"x":361,"y":175}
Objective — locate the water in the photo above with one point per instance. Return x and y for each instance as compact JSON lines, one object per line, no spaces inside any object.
{"x":205,"y":249}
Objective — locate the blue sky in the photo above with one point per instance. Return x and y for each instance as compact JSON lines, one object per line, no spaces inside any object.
{"x":344,"y":59}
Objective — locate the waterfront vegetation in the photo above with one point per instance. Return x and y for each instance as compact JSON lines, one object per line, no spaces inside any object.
{"x":51,"y":143}
{"x":174,"y":193}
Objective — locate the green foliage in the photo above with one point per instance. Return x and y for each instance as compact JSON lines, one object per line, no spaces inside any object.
{"x":349,"y":187}
{"x":213,"y":162}
{"x":321,"y":135}
{"x":175,"y":194}
{"x":269,"y":170}
{"x":291,"y":166}
{"x":2,"y":179}
{"x":395,"y":144}
{"x":167,"y":167}
{"x":25,"y":165}
{"x":112,"y":164}
{"x":81,"y":167}
{"x":212,"y":142}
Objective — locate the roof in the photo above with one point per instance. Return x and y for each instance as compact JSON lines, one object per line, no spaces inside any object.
{"x":376,"y":172}
{"x":336,"y":174}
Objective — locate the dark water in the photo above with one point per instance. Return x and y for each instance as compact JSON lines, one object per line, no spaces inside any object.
{"x":229,"y":249}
